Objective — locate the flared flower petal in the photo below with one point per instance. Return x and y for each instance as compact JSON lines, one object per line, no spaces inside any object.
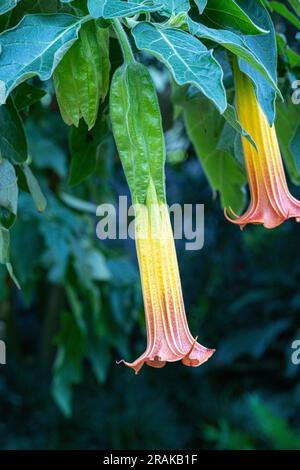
{"x":271,"y":202}
{"x":168,"y":335}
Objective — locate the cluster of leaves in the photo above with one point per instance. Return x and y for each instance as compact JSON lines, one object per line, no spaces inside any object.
{"x":69,"y":41}
{"x":56,"y":63}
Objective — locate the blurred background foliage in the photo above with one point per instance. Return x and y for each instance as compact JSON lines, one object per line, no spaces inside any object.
{"x":80,"y":307}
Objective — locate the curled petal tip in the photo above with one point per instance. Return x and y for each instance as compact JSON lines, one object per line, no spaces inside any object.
{"x":227,"y":215}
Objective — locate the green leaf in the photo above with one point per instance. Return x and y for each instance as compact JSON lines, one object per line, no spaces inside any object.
{"x":82,"y":77}
{"x":139,"y":137}
{"x":287,"y":124}
{"x":8,"y":193}
{"x":235,"y":43}
{"x":7,"y":5}
{"x":285,"y":12}
{"x":4,"y":253}
{"x":293,"y":57}
{"x":4,"y":245}
{"x":119,"y":8}
{"x":13,"y":143}
{"x":42,"y":42}
{"x":76,"y":308}
{"x":174,"y":7}
{"x":265,"y":50}
{"x":204,"y":126}
{"x":182,"y":95}
{"x":26,"y":95}
{"x":295,"y":4}
{"x":229,"y":14}
{"x":290,"y":56}
{"x":78,"y":204}
{"x":12,"y":275}
{"x":84,"y":146}
{"x":186,"y":57}
{"x":272,"y":427}
{"x":34,"y":188}
{"x":201,"y":4}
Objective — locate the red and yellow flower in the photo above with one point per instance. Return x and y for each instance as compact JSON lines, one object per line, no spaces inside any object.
{"x":271,"y":202}
{"x":168,"y":335}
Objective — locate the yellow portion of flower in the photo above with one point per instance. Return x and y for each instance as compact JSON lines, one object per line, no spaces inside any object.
{"x":271,"y":203}
{"x":254,"y":121}
{"x":168,"y":335}
{"x":159,"y":274}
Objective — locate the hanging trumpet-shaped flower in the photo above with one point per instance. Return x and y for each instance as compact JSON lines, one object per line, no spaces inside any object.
{"x":168,"y":335}
{"x":137,"y":127}
{"x":271,"y":202}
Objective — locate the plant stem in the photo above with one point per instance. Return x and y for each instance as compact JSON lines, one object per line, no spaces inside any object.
{"x":124,"y":41}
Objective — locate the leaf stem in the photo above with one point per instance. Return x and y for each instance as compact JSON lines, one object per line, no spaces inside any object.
{"x":124,"y":41}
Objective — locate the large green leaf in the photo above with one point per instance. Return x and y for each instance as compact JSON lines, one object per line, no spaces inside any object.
{"x":8,"y":193}
{"x":119,"y":8}
{"x":264,"y":47}
{"x":181,"y":95}
{"x":229,"y":14}
{"x":13,"y":143}
{"x":235,"y":43}
{"x":186,"y":57}
{"x":82,"y":77}
{"x":6,"y":5}
{"x":34,"y":47}
{"x":205,"y":126}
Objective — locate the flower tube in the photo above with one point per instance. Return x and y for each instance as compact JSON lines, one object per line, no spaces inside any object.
{"x":271,"y":202}
{"x":168,"y":335}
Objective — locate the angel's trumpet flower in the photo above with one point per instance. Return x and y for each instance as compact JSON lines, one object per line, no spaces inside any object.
{"x":168,"y":335}
{"x":271,"y":202}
